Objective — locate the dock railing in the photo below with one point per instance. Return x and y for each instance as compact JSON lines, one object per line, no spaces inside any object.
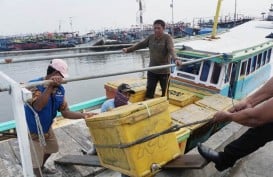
{"x":19,"y":95}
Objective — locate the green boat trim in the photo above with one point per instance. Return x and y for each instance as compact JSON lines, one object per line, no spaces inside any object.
{"x":5,"y":126}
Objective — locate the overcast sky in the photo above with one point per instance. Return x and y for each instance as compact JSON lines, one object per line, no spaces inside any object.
{"x":34,"y":16}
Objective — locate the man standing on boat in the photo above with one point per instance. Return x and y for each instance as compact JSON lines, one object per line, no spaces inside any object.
{"x":254,"y":111}
{"x":161,"y":50}
{"x":41,"y":111}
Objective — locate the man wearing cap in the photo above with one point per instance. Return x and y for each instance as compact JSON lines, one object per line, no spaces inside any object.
{"x":161,"y":49}
{"x":121,"y":98}
{"x":46,"y":101}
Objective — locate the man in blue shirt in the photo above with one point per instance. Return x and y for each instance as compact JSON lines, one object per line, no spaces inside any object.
{"x":41,"y":111}
{"x":121,"y":98}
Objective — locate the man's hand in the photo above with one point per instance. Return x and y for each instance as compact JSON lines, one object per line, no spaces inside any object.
{"x":125,"y":50}
{"x":178,"y":62}
{"x":240,"y":106}
{"x":57,"y":80}
{"x":221,"y":116}
{"x":88,"y":114}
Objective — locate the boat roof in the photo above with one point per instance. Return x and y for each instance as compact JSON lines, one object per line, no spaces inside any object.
{"x":244,"y":36}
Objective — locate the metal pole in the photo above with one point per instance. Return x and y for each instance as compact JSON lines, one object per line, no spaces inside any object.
{"x":118,"y":73}
{"x":64,"y":56}
{"x":71,"y":25}
{"x":214,"y":30}
{"x":141,"y":18}
{"x":172,"y":20}
{"x":21,"y":126}
{"x":235,"y":12}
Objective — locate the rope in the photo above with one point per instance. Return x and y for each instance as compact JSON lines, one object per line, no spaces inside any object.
{"x":147,"y":107}
{"x":39,"y":126}
{"x":152,"y":136}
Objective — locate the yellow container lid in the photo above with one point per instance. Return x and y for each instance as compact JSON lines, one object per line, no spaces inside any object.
{"x":192,"y":113}
{"x":131,"y":113}
{"x":137,"y":84}
{"x":216,"y":102}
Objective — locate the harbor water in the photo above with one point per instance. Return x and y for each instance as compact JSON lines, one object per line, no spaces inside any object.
{"x":83,"y":66}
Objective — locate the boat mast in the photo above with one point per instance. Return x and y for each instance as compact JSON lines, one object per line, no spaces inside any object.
{"x":216,"y":17}
{"x":172,"y":19}
{"x":140,"y":18}
{"x":235,"y":12}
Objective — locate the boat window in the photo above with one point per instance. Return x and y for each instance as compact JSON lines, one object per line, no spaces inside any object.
{"x":269,"y":55}
{"x":248,"y":66}
{"x":253,"y":65}
{"x":259,"y":60}
{"x":228,"y":69}
{"x":243,"y":68}
{"x":215,"y":73}
{"x":264,"y":57}
{"x":205,"y":71}
{"x":191,"y":68}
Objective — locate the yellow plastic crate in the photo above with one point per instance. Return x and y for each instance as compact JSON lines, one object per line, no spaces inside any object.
{"x":180,"y":97}
{"x":127,"y":124}
{"x":137,"y":84}
{"x":182,"y":136}
{"x":192,"y":113}
{"x":173,"y":108}
{"x":216,"y":102}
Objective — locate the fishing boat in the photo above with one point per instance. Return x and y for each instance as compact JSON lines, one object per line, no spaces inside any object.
{"x":235,"y":73}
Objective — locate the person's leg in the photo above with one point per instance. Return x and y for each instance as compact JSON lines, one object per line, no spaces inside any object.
{"x":37,"y":154}
{"x":151,"y":84}
{"x":36,"y":172}
{"x":51,"y":147}
{"x":164,"y":79}
{"x":46,"y":156}
{"x":250,"y":141}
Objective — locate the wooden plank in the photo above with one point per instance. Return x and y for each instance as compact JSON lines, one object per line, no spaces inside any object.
{"x":80,"y":133}
{"x":68,"y":146}
{"x":109,"y":173}
{"x":216,"y":102}
{"x":9,"y":164}
{"x":187,"y":161}
{"x":192,"y":113}
{"x":3,"y":169}
{"x":85,"y":160}
{"x":15,"y":148}
{"x":67,"y":171}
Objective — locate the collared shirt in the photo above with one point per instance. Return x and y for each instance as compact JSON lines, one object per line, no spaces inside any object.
{"x":108,"y":105}
{"x":161,"y":49}
{"x":55,"y":103}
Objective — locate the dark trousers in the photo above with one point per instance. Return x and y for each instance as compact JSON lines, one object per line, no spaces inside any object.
{"x":250,"y":141}
{"x":152,"y":82}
